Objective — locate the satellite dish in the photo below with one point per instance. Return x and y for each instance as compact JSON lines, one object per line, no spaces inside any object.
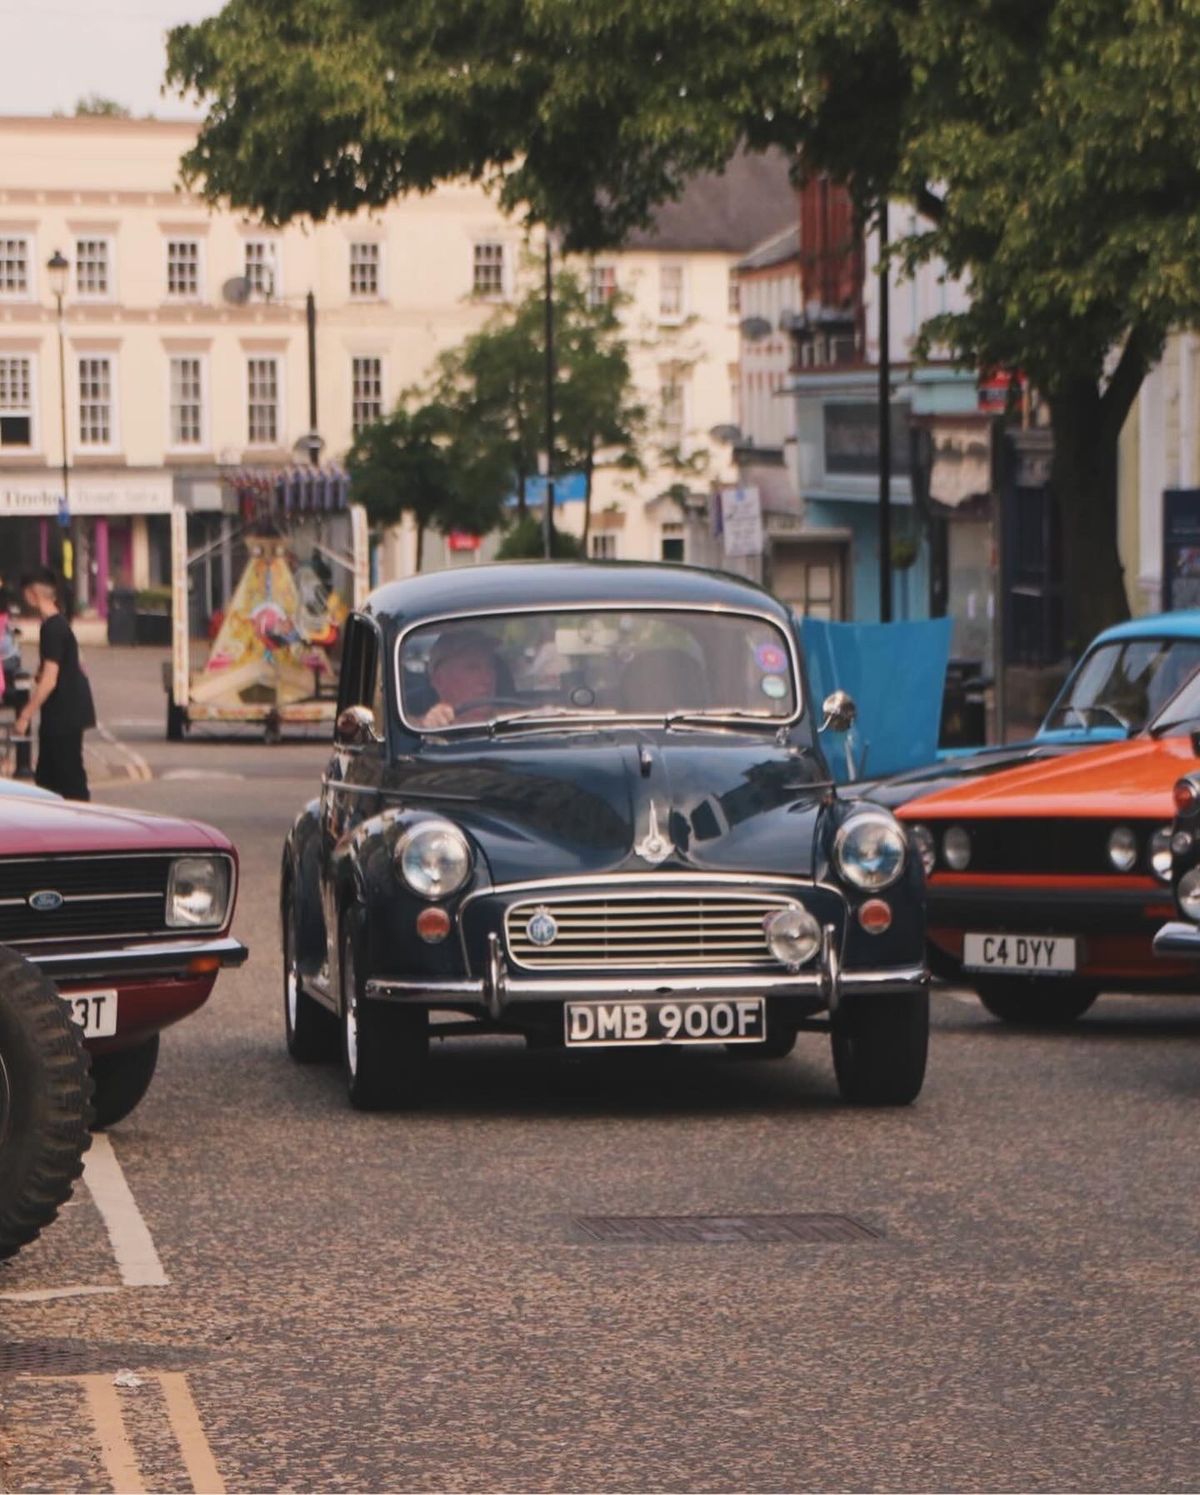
{"x":236,"y":290}
{"x":754,"y":329}
{"x":730,"y":434}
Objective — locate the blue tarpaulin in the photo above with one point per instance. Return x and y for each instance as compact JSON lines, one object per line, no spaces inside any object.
{"x":896,"y":673}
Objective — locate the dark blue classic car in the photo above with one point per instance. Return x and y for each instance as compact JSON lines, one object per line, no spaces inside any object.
{"x":586,"y":803}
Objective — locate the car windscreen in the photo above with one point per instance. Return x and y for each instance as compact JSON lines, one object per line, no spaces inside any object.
{"x":1181,"y":712}
{"x":595,"y":664}
{"x":1125,"y":684}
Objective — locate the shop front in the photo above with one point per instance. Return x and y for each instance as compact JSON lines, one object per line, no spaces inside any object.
{"x":113,"y":533}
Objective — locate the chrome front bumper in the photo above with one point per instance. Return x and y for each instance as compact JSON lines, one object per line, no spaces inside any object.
{"x":179,"y":959}
{"x":1178,"y":938}
{"x":499,"y":988}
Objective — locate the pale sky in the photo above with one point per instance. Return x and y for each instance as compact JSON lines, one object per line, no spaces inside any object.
{"x":56,"y":51}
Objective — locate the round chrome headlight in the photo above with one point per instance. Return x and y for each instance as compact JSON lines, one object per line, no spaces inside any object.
{"x":925,"y":846}
{"x":434,"y":858}
{"x":870,"y":850}
{"x":1160,"y":853}
{"x":1122,"y":849}
{"x":956,"y":848}
{"x":1188,"y":894}
{"x":793,"y":936}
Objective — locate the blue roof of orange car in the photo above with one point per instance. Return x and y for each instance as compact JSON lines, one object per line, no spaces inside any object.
{"x":1183,"y":623}
{"x":512,"y":585}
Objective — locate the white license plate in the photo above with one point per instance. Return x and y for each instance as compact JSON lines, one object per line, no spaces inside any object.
{"x":661,"y":1020}
{"x":94,"y":1011}
{"x":1037,"y":954}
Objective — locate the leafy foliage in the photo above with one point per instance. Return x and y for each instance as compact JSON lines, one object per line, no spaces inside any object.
{"x":525,"y":541}
{"x":96,"y":106}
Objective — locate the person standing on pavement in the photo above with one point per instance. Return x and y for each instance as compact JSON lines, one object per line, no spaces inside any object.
{"x":61,"y":693}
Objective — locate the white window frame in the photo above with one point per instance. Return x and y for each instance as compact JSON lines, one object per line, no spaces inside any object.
{"x":733,"y":294}
{"x":110,"y":264}
{"x":673,"y":318}
{"x":274,"y":257}
{"x":184,"y":298}
{"x":277,"y":360}
{"x":186,"y":447}
{"x":35,"y":444}
{"x":378,"y":294}
{"x":602,"y":545}
{"x":30,"y":291}
{"x":603,"y":268}
{"x":486,"y":241}
{"x":383,"y":385}
{"x":113,"y":444}
{"x":683,"y":384}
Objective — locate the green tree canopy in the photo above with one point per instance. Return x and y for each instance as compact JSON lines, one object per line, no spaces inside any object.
{"x":96,"y":106}
{"x":1054,"y":146}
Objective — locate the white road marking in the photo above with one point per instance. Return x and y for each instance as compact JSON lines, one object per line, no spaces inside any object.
{"x":198,"y":774}
{"x":137,"y":1260}
{"x":120,"y":1461}
{"x":135,"y":765}
{"x":47,"y":1294}
{"x":189,"y":1434}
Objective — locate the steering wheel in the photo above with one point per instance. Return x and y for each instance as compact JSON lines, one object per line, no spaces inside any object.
{"x":479,"y":701}
{"x":1100,"y":706}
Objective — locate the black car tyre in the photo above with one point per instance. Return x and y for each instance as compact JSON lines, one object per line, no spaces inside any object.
{"x":1036,"y":1005}
{"x":44,"y":1092}
{"x":385,"y":1049}
{"x":880,"y":1045}
{"x":310,"y":1032}
{"x":121,"y":1079}
{"x":176,"y":721}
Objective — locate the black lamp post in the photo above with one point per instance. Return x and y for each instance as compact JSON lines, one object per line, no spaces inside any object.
{"x":57,"y":267}
{"x":548,"y":517}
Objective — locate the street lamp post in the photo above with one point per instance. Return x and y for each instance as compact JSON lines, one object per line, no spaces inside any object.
{"x":548,"y":516}
{"x":57,"y":266}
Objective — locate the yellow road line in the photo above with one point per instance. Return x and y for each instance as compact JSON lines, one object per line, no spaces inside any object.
{"x":189,"y":1434}
{"x":104,"y":1406}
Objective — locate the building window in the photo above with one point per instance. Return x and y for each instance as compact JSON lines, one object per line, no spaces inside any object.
{"x":674,"y":427}
{"x":262,"y":410}
{"x":735,"y":295}
{"x":603,"y":547}
{"x":489,"y":269}
{"x":95,"y":402}
{"x":262,"y":267}
{"x":14,"y":266}
{"x":602,"y":285}
{"x":367,"y":392}
{"x":187,"y":402}
{"x":183,"y":269}
{"x":364,"y":270}
{"x":671,"y":542}
{"x":16,"y":403}
{"x":670,"y":293}
{"x":92,"y":277}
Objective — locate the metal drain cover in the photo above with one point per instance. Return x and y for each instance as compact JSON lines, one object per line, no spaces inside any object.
{"x":76,"y":1357}
{"x":723,"y":1230}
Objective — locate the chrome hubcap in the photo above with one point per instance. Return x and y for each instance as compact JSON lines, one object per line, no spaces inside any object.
{"x":291,"y":976}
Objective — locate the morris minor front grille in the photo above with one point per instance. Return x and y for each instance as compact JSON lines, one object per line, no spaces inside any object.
{"x":103,"y":897}
{"x":640,"y":930}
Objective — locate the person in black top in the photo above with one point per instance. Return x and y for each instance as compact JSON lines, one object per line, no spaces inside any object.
{"x":61,"y":693}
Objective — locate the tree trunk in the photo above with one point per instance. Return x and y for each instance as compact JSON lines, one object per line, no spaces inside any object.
{"x":420,"y":544}
{"x":1084,"y":480}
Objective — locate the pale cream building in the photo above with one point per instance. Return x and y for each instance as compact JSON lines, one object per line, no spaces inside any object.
{"x":186,"y":355}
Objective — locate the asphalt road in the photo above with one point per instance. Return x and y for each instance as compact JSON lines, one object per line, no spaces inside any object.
{"x":403,"y":1302}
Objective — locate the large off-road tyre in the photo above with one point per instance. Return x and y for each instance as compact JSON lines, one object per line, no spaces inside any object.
{"x":121,"y":1079}
{"x":385,"y":1048}
{"x":880,"y":1045}
{"x":1035,"y":1004}
{"x":311,"y":1033}
{"x":44,"y":1094}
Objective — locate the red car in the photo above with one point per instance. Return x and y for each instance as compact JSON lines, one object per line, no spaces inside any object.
{"x":1046,"y":884}
{"x":129,"y":915}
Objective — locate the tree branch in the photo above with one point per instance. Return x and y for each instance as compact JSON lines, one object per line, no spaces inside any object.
{"x":1122,"y":388}
{"x":931,"y":204}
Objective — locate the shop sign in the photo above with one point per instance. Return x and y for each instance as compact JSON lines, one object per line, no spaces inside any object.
{"x":741,"y":521}
{"x":459,"y":539}
{"x":88,"y":498}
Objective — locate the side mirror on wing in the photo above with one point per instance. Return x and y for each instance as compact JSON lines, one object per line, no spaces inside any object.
{"x":840,"y":711}
{"x":356,"y":727}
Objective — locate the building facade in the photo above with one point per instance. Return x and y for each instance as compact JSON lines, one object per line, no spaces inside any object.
{"x":186,"y":349}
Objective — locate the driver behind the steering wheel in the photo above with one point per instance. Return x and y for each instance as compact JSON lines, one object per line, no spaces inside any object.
{"x":463,"y":673}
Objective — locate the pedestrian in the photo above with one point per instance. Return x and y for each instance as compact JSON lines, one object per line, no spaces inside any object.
{"x":61,"y":693}
{"x":10,"y":649}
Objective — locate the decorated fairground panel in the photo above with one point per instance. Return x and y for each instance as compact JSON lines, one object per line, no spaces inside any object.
{"x":263,"y":590}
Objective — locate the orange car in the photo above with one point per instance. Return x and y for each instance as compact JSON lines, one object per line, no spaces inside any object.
{"x":1047,"y":883}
